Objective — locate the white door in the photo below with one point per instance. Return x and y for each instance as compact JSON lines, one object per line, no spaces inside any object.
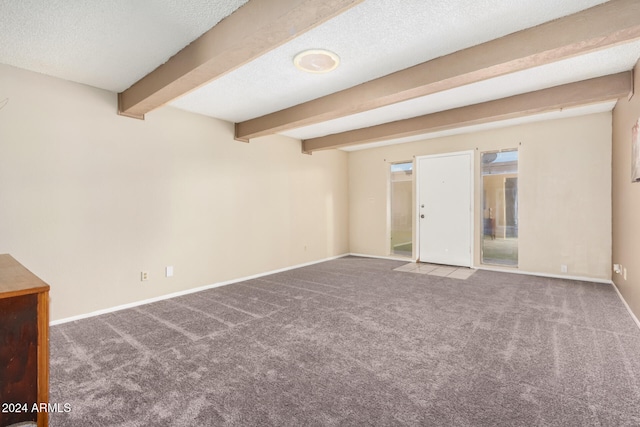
{"x":445,"y":214}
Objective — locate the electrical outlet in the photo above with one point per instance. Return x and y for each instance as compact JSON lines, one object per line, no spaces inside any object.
{"x":144,"y":276}
{"x":617,"y":268}
{"x":624,"y":274}
{"x":169,"y":271}
{"x":563,"y":268}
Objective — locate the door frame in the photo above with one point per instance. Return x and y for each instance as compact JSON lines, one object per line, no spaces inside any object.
{"x":472,"y":208}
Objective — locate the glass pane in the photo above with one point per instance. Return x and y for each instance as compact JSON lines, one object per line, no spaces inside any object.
{"x":400,"y":198}
{"x":500,"y":208}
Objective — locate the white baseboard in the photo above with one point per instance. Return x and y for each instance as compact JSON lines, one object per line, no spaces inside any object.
{"x":554,"y":276}
{"x":393,"y":258}
{"x":501,"y":270}
{"x":187,"y":291}
{"x":255,"y":276}
{"x":633,"y":316}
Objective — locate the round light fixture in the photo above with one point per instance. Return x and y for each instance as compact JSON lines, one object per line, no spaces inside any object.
{"x":316,"y":61}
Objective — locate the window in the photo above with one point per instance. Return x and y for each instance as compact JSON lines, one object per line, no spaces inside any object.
{"x":500,"y":208}
{"x":400,"y":201}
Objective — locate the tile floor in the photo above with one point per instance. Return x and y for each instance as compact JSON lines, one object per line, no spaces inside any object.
{"x":461,"y":273}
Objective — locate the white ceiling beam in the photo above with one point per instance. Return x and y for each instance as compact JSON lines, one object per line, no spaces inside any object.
{"x":566,"y":96}
{"x":253,"y":30}
{"x":606,"y":25}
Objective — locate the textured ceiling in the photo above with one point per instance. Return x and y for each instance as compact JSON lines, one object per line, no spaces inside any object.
{"x":373,"y":39}
{"x":551,"y":115}
{"x":111,"y":44}
{"x":596,"y":64}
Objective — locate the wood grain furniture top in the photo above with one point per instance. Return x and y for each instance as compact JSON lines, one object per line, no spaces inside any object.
{"x":16,"y":280}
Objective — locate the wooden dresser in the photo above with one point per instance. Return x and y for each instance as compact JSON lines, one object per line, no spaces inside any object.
{"x":24,"y":344}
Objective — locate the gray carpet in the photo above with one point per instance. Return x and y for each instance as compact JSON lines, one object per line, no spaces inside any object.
{"x":351,"y":342}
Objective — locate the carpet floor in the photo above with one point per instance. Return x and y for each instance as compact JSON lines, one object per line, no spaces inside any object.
{"x":351,"y":342}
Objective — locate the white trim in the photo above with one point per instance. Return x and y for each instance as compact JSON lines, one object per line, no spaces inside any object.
{"x":633,"y":316}
{"x":392,"y":258}
{"x":554,"y":276}
{"x":188,"y":291}
{"x":472,"y":190}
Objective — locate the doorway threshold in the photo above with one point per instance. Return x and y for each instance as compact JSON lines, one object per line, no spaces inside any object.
{"x":452,"y":272}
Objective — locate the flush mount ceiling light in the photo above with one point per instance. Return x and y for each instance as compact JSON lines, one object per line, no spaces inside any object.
{"x":316,"y":61}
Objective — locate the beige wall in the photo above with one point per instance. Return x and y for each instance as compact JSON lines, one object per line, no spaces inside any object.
{"x":89,"y":199}
{"x":564,"y":192}
{"x":626,"y":200}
